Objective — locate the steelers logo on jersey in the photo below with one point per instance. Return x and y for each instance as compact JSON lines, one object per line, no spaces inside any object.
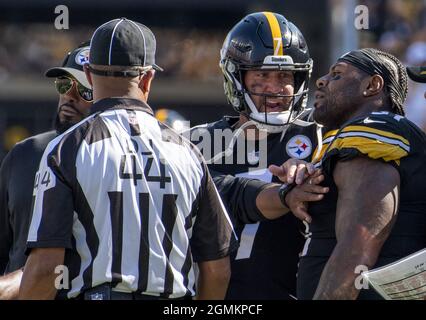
{"x":299,"y":147}
{"x":82,"y":57}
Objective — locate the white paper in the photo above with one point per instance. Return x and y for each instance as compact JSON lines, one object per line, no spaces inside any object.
{"x":404,"y":279}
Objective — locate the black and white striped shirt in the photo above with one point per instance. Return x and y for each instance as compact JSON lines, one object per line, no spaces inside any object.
{"x":132,"y":202}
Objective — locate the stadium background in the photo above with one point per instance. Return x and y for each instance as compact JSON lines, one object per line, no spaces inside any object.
{"x":189,"y":36}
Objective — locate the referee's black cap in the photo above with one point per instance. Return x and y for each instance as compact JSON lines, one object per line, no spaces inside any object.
{"x":417,"y":74}
{"x":73,"y":65}
{"x":123,"y":42}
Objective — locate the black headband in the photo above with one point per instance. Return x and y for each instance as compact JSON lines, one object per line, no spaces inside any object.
{"x":371,"y":62}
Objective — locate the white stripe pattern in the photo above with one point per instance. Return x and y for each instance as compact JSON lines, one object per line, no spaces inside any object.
{"x":112,"y":40}
{"x":329,"y":139}
{"x":375,"y":136}
{"x":85,"y":256}
{"x":144,"y":44}
{"x":94,"y":33}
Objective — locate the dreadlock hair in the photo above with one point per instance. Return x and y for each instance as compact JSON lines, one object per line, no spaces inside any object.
{"x":397,"y":94}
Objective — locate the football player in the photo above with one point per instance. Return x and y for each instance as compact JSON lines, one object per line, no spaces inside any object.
{"x":266,"y":66}
{"x":373,"y":160}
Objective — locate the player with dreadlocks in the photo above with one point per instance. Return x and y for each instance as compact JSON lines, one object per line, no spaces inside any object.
{"x":373,"y":160}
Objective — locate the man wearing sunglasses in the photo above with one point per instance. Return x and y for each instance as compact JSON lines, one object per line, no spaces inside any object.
{"x":75,"y":93}
{"x":20,"y":165}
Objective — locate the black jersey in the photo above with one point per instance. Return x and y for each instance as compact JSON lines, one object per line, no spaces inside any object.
{"x":386,"y":137}
{"x":16,"y":185}
{"x":265,"y":265}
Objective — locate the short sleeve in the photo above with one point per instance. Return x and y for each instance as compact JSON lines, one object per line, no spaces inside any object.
{"x":374,"y":137}
{"x":52,"y":212}
{"x":213,"y":236}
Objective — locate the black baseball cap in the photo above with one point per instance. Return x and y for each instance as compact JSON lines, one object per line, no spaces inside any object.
{"x":417,"y":74}
{"x":123,"y":42}
{"x":73,"y":65}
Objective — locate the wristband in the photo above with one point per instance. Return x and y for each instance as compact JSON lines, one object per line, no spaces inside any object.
{"x":283,"y":191}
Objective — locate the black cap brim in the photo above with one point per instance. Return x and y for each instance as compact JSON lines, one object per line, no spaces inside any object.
{"x":80,"y":76}
{"x":156,"y":67}
{"x":417,"y":74}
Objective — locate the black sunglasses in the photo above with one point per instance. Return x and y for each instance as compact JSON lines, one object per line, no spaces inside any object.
{"x":64,"y":84}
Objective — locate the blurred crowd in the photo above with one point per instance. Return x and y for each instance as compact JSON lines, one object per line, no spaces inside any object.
{"x":399,"y":27}
{"x":27,"y":50}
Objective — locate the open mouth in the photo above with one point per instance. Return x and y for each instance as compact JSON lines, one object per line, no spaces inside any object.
{"x":274,"y":106}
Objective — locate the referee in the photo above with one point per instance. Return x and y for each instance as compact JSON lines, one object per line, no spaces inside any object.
{"x":122,"y":201}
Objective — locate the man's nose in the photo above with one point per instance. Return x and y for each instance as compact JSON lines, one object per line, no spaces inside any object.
{"x":322,"y":82}
{"x":274,"y":85}
{"x":72,"y":94}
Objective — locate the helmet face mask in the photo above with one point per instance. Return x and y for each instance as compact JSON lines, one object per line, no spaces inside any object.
{"x":252,"y":45}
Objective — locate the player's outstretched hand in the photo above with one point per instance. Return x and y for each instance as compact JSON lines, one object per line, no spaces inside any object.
{"x":293,"y":170}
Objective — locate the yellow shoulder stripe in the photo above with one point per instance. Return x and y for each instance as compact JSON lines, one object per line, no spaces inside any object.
{"x":329,"y":134}
{"x":316,"y":158}
{"x":374,"y":149}
{"x":376,"y":131}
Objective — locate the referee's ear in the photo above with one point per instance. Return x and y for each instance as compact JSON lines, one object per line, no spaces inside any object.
{"x":145,"y":81}
{"x":88,"y":74}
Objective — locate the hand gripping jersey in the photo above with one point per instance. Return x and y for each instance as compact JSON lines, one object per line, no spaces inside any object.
{"x":265,"y":265}
{"x":384,"y":137}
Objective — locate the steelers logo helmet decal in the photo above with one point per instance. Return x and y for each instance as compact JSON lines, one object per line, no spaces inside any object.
{"x":299,"y":147}
{"x":82,"y":57}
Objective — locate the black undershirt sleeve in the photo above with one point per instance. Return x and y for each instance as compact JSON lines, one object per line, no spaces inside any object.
{"x":239,"y":196}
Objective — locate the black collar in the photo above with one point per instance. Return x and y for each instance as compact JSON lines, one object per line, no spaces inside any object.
{"x":120,"y":103}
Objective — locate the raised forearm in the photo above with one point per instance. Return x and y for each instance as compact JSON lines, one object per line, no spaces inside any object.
{"x":239,"y":194}
{"x":9,"y":285}
{"x":269,"y":204}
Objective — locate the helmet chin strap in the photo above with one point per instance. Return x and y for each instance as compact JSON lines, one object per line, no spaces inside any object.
{"x":255,"y":116}
{"x":279,"y":121}
{"x":258,"y":118}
